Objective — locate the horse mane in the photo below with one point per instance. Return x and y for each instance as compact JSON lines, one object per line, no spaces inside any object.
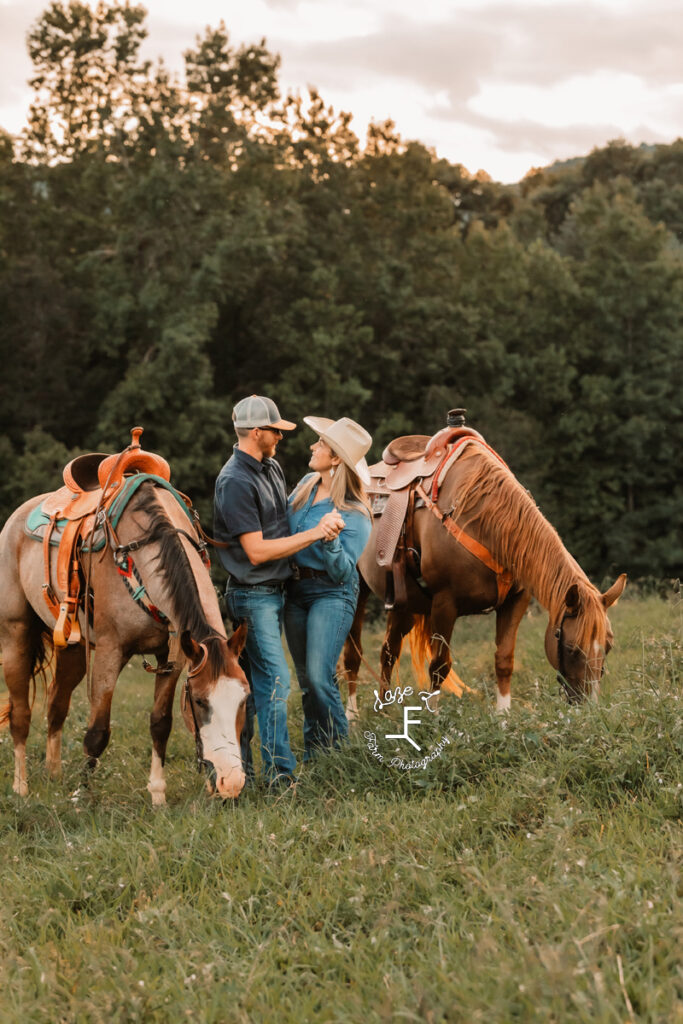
{"x":520,"y":537}
{"x":179,"y":579}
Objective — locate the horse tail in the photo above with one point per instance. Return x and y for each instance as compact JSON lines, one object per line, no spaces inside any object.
{"x":41,"y":657}
{"x":420,"y":639}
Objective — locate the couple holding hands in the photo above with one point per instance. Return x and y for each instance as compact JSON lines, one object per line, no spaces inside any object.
{"x":292,"y":562}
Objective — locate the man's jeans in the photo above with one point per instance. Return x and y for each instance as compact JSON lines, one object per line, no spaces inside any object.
{"x":261,"y":608}
{"x":318,"y":617}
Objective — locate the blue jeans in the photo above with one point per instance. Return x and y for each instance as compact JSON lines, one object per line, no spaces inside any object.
{"x":318,"y":617}
{"x":261,"y":608}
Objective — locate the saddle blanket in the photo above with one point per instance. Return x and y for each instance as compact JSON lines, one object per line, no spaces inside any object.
{"x":38,"y":520}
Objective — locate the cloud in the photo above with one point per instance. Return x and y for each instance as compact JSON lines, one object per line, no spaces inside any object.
{"x":542,"y":80}
{"x":17,"y":19}
{"x":521,"y":44}
{"x":478,"y":81}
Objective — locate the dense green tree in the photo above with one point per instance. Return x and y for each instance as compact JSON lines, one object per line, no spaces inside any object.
{"x":88,"y":80}
{"x":169,"y":244}
{"x":620,"y":493}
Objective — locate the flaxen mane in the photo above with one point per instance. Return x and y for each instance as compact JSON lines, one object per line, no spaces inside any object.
{"x":509,"y":522}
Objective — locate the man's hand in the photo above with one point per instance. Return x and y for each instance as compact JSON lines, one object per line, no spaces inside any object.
{"x":330,"y":526}
{"x":259,"y":550}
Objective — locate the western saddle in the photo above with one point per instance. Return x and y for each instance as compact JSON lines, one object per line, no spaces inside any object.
{"x":81,"y":517}
{"x":409,"y":477}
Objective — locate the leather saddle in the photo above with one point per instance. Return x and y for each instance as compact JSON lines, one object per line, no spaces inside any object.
{"x":409,"y":462}
{"x":69,"y":518}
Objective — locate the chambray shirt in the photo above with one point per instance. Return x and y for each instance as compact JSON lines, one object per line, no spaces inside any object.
{"x":250,"y":496}
{"x":336,"y":557}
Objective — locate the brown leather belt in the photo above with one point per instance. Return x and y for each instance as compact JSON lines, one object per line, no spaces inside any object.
{"x":302,"y":572}
{"x":233,"y":582}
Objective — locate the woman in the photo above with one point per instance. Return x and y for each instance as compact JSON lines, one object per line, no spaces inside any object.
{"x":322,"y":597}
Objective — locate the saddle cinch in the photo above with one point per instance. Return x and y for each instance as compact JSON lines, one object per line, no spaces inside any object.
{"x":79,"y":517}
{"x":409,"y":477}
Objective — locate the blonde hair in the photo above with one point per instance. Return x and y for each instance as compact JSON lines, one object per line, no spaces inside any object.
{"x":346,"y":491}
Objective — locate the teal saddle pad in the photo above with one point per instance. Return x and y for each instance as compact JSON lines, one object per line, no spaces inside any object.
{"x":37,"y":521}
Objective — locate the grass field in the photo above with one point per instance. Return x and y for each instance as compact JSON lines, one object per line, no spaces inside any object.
{"x":528,"y":873}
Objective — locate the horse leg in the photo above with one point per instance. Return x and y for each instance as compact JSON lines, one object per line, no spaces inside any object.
{"x":18,"y":666}
{"x":441,"y":621}
{"x":353,"y":651}
{"x":107,"y":665}
{"x":69,"y":670}
{"x":399,"y":624}
{"x":160,"y":722}
{"x":508,"y":618}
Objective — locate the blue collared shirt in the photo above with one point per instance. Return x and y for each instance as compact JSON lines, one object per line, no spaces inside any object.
{"x":336,"y":557}
{"x":250,"y":496}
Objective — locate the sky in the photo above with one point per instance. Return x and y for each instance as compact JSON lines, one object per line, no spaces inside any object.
{"x":498,"y":85}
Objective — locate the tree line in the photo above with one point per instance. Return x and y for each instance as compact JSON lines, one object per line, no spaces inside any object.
{"x":170,"y":244}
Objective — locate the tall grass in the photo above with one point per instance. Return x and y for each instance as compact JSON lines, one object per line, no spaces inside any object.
{"x":528,"y":873}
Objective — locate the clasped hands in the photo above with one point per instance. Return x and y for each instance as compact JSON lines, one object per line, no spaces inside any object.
{"x":331,"y":525}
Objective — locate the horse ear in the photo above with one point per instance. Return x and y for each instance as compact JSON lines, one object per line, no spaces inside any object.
{"x":612,"y":595}
{"x":572,"y":598}
{"x":190,"y":648}
{"x":238,"y":639}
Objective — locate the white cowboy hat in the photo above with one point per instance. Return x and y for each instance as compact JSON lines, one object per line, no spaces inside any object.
{"x":347,"y":439}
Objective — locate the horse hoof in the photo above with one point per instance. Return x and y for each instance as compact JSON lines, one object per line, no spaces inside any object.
{"x":20,"y":788}
{"x":502,"y":703}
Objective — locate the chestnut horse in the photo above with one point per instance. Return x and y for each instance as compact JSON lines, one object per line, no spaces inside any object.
{"x":483,"y":497}
{"x":176,"y":582}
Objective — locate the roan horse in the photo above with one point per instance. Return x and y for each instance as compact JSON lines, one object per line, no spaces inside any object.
{"x":481,"y":496}
{"x":177,"y":583}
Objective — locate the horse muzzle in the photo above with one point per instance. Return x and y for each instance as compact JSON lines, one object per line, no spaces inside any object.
{"x":226,"y":783}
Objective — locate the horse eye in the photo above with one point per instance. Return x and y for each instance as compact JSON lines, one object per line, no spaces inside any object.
{"x":200,"y":702}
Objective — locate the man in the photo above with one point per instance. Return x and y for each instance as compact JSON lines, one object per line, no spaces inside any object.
{"x":250,"y":513}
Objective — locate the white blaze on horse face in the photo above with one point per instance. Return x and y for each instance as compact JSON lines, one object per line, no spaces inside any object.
{"x":220,"y":741}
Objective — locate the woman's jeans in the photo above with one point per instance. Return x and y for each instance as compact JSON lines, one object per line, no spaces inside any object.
{"x":318,"y":617}
{"x":261,"y":606}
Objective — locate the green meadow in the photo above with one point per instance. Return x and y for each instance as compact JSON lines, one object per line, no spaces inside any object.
{"x":529,"y":872}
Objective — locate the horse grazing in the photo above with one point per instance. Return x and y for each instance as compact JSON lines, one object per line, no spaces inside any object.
{"x":136,"y":608}
{"x":480,"y":501}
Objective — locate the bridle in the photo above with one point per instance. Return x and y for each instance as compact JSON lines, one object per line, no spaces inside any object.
{"x":565,"y":688}
{"x":189,"y":699}
{"x":562,"y":671}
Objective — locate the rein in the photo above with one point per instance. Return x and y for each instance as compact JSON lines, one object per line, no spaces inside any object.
{"x":198,"y":744}
{"x":127,"y":570}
